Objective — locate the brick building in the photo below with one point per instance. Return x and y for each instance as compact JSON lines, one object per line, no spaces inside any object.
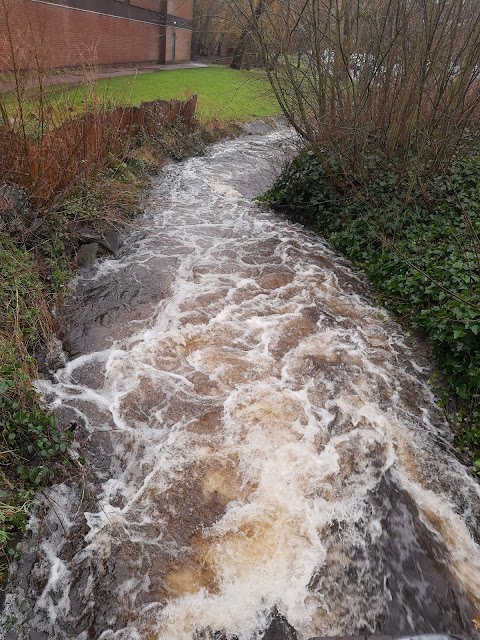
{"x":72,"y":33}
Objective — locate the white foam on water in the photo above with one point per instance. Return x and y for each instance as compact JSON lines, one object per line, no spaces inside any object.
{"x":243,"y":430}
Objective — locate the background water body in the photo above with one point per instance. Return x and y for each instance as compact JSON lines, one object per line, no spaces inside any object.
{"x":259,"y":438}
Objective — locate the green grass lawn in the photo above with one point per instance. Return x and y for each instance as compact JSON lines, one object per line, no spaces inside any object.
{"x":223,"y":93}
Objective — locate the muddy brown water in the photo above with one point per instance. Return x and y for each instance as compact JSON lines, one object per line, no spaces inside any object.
{"x":266,"y":459}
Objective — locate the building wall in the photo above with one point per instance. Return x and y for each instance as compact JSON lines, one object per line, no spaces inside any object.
{"x":152,"y":5}
{"x":179,"y":15}
{"x":56,"y":35}
{"x":183,"y":44}
{"x":180,"y":8}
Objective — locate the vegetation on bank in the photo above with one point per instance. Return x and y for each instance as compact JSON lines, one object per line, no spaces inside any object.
{"x":419,"y":246}
{"x":34,"y":270}
{"x":39,"y":241}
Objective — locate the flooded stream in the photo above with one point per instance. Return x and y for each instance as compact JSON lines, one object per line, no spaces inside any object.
{"x":264,"y":455}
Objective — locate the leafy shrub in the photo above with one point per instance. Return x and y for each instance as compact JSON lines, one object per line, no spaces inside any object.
{"x":30,"y":441}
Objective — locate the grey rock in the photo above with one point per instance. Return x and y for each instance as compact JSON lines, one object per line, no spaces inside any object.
{"x":112,"y":241}
{"x":83,"y":231}
{"x":261,"y":127}
{"x":280,"y":121}
{"x":109,"y":242}
{"x":340,"y":637}
{"x":279,"y":629}
{"x":55,"y":357}
{"x":32,"y":635}
{"x":209,"y":634}
{"x":428,"y":636}
{"x":256,"y":128}
{"x":37,"y":635}
{"x":86,"y":255}
{"x":14,"y":208}
{"x":14,"y":197}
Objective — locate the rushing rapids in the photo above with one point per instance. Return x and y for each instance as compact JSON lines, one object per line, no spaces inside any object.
{"x":261,"y":441}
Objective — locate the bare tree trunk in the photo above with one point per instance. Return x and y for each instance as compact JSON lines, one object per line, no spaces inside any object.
{"x":239,"y":52}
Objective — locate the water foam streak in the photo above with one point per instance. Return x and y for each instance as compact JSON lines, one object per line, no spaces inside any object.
{"x":260,"y":437}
